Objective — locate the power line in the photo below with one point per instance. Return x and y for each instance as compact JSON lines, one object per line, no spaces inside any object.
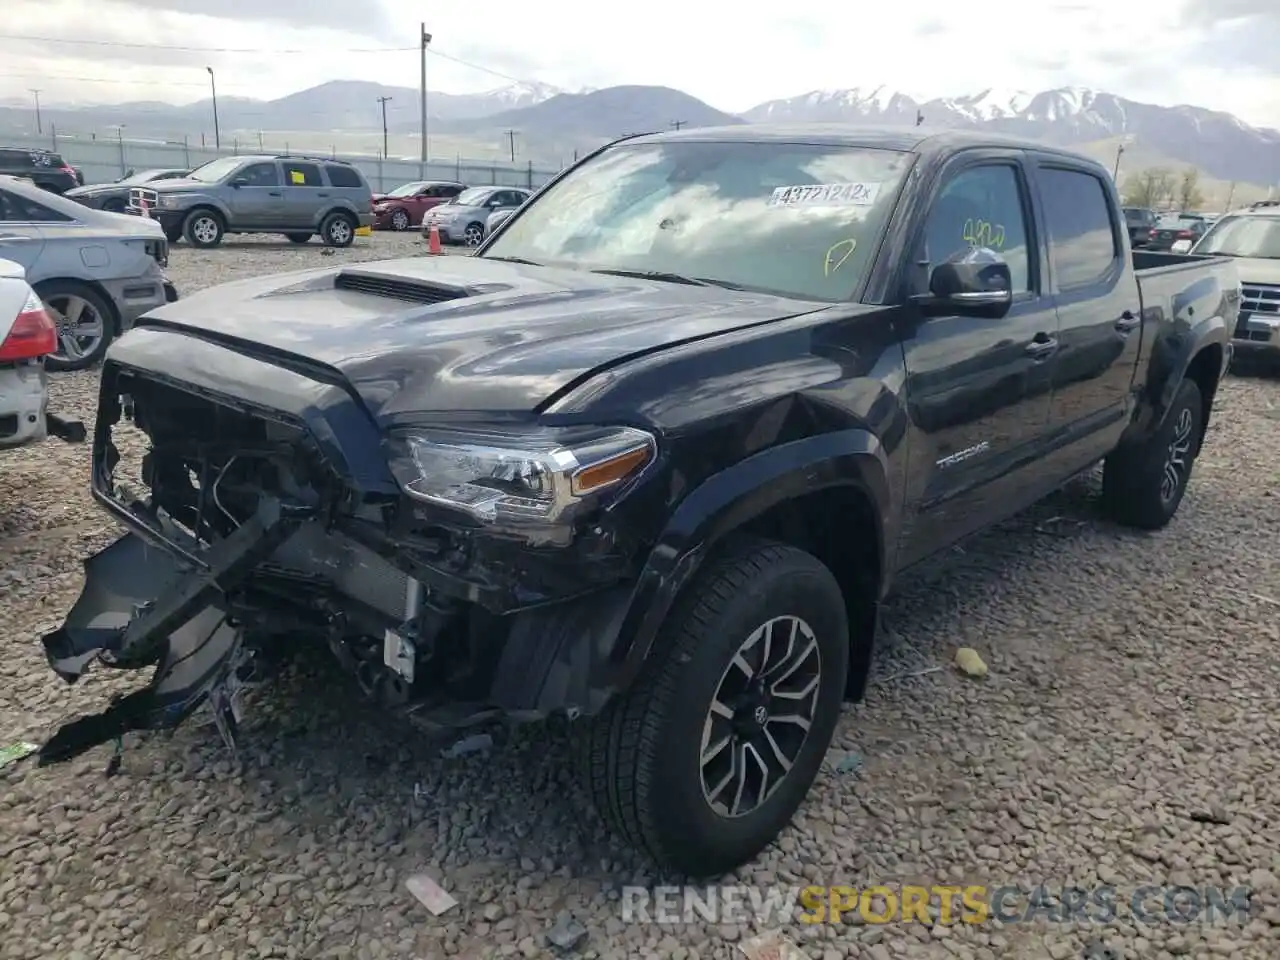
{"x":169,"y":46}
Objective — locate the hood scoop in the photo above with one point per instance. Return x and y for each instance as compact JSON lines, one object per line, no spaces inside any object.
{"x":396,"y":288}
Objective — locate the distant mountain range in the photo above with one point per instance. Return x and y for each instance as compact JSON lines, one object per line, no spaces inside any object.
{"x":550,"y":120}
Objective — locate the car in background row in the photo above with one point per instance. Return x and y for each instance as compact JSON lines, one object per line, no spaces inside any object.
{"x":497,"y":219}
{"x":27,"y":336}
{"x":1140,"y":221}
{"x":114,"y":197}
{"x":1172,"y":227}
{"x":463,"y":220}
{"x":293,"y":195}
{"x":46,"y":170}
{"x":1252,"y":238}
{"x":406,"y":205}
{"x":96,"y":272}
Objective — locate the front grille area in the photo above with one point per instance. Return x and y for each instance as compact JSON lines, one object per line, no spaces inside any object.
{"x":140,"y":195}
{"x":408,"y":290}
{"x":1259,"y":298}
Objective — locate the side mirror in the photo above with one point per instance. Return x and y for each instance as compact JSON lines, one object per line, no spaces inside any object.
{"x":976,"y":283}
{"x":239,"y":182}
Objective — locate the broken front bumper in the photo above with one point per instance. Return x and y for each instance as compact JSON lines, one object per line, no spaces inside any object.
{"x":184,"y":631}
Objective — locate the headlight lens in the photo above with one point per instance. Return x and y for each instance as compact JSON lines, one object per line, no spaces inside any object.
{"x":531,"y":483}
{"x":171,"y":200}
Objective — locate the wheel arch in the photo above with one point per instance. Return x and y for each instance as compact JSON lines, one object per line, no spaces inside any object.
{"x":113,"y":311}
{"x":789,"y":494}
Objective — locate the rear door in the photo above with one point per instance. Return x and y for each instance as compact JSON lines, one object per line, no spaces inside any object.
{"x":21,"y":239}
{"x":304,"y":194}
{"x":978,"y":389}
{"x":1099,"y":309}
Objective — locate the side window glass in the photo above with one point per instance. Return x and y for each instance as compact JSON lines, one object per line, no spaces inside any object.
{"x":261,"y":175}
{"x":1082,"y":246}
{"x":302,"y":175}
{"x":981,"y":207}
{"x":18,"y":209}
{"x":450,"y":192}
{"x":342,"y":177}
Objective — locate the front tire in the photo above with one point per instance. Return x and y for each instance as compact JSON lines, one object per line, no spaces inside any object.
{"x":709,"y":754}
{"x":473,"y":236}
{"x":203,"y":229}
{"x":400,"y":220}
{"x":338,"y":230}
{"x":1143,"y":484}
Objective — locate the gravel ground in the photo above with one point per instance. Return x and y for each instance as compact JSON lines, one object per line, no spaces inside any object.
{"x":1133,"y":700}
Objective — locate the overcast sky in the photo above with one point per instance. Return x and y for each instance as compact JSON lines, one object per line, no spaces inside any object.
{"x":1221,"y":55}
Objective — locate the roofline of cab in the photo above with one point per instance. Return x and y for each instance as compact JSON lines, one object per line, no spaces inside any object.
{"x":924,"y":141}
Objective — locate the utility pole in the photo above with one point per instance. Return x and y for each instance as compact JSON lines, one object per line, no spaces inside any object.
{"x":511,"y":138}
{"x":36,"y":93}
{"x":677,"y":124}
{"x":919,"y":118}
{"x":426,"y":40}
{"x":213,"y":88}
{"x":383,"y":103}
{"x":1115,"y":171}
{"x":1230,"y":196}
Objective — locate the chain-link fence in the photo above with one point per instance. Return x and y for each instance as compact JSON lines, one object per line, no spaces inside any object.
{"x":103,"y":159}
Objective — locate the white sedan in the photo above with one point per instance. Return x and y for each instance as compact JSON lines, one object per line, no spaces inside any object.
{"x":27,"y":336}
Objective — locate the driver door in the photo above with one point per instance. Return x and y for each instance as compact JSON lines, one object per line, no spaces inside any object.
{"x":978,"y":389}
{"x":259,"y":201}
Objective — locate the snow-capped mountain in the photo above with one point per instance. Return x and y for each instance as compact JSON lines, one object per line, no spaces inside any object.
{"x":1222,"y":145}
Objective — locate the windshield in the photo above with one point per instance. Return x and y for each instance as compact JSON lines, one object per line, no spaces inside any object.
{"x":1171,"y":221}
{"x":797,"y":219}
{"x":1243,"y":237}
{"x":215,"y":170}
{"x":473,"y":197}
{"x":146,"y":176}
{"x":407,"y":190}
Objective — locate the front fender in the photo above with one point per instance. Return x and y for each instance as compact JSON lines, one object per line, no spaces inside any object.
{"x":195,"y":202}
{"x":727,"y":501}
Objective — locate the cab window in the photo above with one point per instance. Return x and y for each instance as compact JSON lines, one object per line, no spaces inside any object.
{"x":981,"y":207}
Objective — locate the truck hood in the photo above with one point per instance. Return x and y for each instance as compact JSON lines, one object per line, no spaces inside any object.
{"x":503,"y":336}
{"x":180,"y":185}
{"x":1258,"y":270}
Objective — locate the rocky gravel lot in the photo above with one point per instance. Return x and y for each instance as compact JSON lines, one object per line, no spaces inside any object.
{"x":1127,"y":734}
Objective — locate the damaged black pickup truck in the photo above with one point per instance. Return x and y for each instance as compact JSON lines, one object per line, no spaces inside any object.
{"x":649,"y":461}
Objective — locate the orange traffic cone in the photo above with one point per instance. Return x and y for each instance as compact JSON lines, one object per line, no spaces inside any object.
{"x":433,"y":241}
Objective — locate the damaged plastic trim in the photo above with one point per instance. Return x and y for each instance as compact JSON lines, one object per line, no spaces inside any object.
{"x":185,"y":632}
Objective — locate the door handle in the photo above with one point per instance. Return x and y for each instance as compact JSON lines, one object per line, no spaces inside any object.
{"x":322,"y":195}
{"x":1127,"y":322}
{"x":275,"y":193}
{"x":1042,"y":347}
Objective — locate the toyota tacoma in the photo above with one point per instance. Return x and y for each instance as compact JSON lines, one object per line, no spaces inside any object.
{"x":650,"y":461}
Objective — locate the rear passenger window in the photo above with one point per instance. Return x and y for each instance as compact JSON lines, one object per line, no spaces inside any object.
{"x":342,"y":176}
{"x":15,"y":208}
{"x":981,"y":207}
{"x":302,"y":175}
{"x":1082,"y":245}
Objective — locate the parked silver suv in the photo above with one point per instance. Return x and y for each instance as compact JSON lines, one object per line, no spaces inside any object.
{"x":296,"y":196}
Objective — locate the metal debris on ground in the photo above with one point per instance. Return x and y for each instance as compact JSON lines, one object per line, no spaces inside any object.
{"x":16,"y":751}
{"x":970,"y":663}
{"x":850,"y":763}
{"x":771,"y":946}
{"x":476,"y":743}
{"x":430,"y":894}
{"x":566,"y":934}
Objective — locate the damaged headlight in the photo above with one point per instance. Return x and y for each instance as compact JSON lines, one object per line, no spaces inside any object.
{"x":530,"y":483}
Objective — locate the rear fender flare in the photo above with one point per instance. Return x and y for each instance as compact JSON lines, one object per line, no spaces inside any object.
{"x":1175,"y":355}
{"x":724,"y":503}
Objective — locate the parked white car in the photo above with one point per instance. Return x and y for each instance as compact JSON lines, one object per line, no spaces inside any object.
{"x":27,"y":336}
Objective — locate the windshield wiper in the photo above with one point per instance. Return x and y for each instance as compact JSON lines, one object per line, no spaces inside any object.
{"x":660,"y":275}
{"x":529,"y":263}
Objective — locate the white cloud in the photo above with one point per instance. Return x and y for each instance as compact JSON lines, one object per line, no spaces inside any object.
{"x":731,"y":56}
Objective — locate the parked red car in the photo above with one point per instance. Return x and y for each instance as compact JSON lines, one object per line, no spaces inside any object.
{"x":405,"y":206}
